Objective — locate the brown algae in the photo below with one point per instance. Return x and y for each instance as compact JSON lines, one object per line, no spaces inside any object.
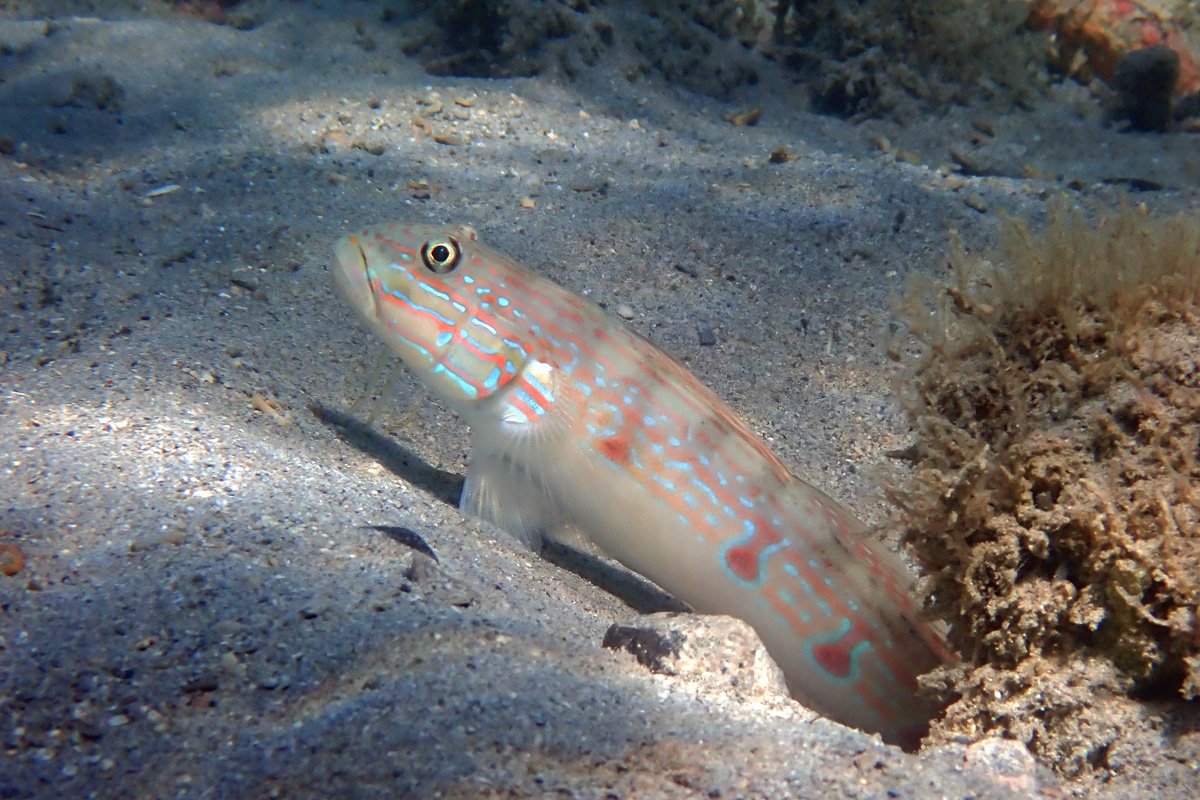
{"x":1054,"y":500}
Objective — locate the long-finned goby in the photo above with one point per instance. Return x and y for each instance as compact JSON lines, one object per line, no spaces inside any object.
{"x":577,"y":421}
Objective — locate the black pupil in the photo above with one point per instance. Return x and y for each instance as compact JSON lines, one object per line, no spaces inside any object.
{"x":440,"y":254}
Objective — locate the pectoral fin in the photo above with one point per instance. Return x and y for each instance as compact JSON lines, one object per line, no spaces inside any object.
{"x":503,"y":491}
{"x":526,"y":466}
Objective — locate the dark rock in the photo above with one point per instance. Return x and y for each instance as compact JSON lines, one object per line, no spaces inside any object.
{"x":721,"y":654}
{"x":1145,"y":81}
{"x":653,"y":649}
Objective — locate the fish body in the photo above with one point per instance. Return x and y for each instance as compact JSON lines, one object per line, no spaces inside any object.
{"x":577,"y":421}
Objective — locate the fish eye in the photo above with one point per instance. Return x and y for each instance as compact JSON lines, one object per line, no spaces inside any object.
{"x":441,"y":255}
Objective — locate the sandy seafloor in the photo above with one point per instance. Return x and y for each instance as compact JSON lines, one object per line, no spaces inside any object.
{"x":204,"y":611}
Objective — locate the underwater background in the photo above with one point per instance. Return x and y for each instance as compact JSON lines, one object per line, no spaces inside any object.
{"x":941,"y":255}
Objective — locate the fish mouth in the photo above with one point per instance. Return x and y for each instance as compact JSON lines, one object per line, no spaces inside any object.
{"x":352,"y":279}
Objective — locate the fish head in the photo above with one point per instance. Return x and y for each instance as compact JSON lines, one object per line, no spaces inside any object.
{"x":429,"y":292}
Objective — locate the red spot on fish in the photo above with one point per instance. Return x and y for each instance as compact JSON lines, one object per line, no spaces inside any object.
{"x":743,"y":562}
{"x":834,"y":658}
{"x":615,"y":449}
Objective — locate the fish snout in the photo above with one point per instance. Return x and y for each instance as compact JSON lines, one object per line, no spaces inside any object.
{"x":353,"y":279}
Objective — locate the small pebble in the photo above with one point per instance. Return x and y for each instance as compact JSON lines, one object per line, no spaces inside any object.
{"x":744,"y":118}
{"x":162,"y":190}
{"x":204,"y":683}
{"x":1004,"y":762}
{"x":708,"y":337}
{"x":985,"y":126}
{"x":625,"y":311}
{"x":88,"y":729}
{"x":12,"y":560}
{"x":976,"y":202}
{"x":779,"y":155}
